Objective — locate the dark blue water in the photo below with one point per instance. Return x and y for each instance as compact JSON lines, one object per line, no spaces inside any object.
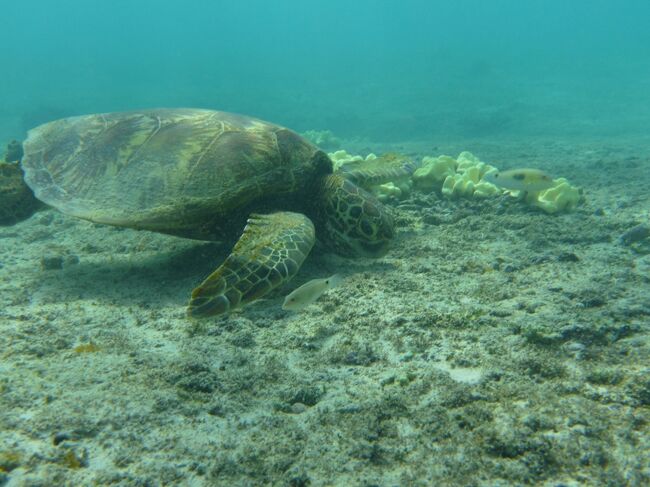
{"x":386,"y":70}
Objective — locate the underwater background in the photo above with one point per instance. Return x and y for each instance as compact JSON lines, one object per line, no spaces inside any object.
{"x":382,"y":69}
{"x":503,"y":340}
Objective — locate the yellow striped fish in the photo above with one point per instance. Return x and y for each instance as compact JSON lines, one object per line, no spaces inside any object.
{"x":525,"y":179}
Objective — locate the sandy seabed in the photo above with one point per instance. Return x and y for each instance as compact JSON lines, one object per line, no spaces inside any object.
{"x":495,"y":345}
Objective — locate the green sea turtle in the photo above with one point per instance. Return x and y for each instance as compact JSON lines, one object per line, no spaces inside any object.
{"x":208,"y":175}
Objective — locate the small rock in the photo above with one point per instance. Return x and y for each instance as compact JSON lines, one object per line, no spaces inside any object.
{"x":540,"y":259}
{"x":575,"y":347}
{"x":432,"y":219}
{"x":60,"y":437}
{"x":298,"y":408}
{"x":216,"y":410}
{"x":53,"y":262}
{"x":14,"y":151}
{"x":635,"y":234}
{"x":46,"y":218}
{"x":71,"y":260}
{"x":568,"y":257}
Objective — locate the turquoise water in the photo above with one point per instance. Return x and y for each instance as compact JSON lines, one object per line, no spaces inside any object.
{"x":503,"y":339}
{"x":385,"y":70}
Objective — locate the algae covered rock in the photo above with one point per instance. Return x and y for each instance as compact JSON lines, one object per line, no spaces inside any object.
{"x":388,"y":191}
{"x":388,"y":176}
{"x":467,"y":176}
{"x":433,"y":170}
{"x":562,"y":196}
{"x":14,"y":151}
{"x":341,"y":158}
{"x":537,"y":188}
{"x":462,"y":176}
{"x":18,"y":201}
{"x":468,"y":179}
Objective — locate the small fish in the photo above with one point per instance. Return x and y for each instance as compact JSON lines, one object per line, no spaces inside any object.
{"x":520,"y":179}
{"x":310,"y":292}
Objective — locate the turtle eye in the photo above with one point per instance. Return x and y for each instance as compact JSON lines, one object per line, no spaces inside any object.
{"x":366,"y":227}
{"x":355,"y":211}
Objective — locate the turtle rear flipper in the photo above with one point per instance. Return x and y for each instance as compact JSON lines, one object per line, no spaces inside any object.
{"x":269,"y":253}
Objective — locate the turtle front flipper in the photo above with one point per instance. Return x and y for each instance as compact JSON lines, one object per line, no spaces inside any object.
{"x":269,"y":253}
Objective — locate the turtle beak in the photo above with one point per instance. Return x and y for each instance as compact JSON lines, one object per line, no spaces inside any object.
{"x":374,"y":249}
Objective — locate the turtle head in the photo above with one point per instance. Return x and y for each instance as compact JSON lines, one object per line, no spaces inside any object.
{"x":352,"y":221}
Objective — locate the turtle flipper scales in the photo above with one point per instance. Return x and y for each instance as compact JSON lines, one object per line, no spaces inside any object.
{"x":269,"y":253}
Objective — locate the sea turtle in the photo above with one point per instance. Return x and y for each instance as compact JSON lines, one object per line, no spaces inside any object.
{"x":209,"y":175}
